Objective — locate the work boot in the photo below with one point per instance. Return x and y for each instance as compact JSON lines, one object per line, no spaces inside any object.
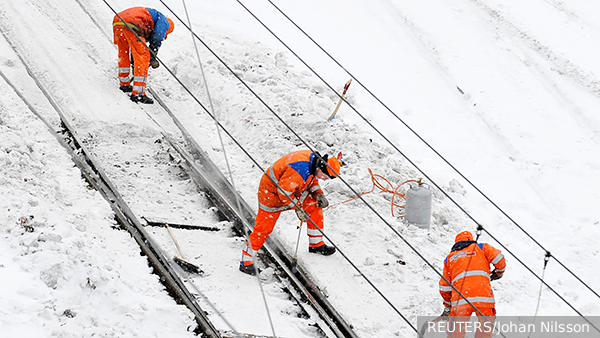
{"x":249,"y":269}
{"x":324,"y":250}
{"x":126,"y":89}
{"x":141,"y":98}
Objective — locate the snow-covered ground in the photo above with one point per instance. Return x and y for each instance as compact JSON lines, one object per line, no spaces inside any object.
{"x":507,"y":93}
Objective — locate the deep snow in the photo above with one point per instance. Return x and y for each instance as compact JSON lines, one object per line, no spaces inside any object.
{"x":505,"y":92}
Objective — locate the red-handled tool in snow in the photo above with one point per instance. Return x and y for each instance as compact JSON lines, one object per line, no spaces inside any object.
{"x":340,"y":102}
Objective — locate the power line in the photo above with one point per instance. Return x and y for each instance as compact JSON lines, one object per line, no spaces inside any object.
{"x":369,"y":206}
{"x":411,"y":162}
{"x":425,"y":142}
{"x":305,"y":143}
{"x":212,"y":115}
{"x":245,"y":151}
{"x":383,"y":136}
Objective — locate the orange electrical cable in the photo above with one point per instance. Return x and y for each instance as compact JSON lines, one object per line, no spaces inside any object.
{"x":377,"y":184}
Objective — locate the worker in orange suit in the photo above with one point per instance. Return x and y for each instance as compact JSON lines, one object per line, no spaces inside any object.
{"x":143,"y":25}
{"x":291,"y":181}
{"x":467,"y":269}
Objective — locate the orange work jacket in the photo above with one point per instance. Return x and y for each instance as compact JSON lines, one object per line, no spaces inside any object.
{"x":295,"y":176}
{"x":467,"y":268}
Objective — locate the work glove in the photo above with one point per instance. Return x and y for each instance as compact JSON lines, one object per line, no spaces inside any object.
{"x":322,"y":202}
{"x":495,"y":275}
{"x":301,"y":214}
{"x":153,"y":52}
{"x":153,"y":45}
{"x":446,"y":312}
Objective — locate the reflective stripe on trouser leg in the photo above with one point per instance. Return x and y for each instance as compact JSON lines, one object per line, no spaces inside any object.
{"x":139,"y":54}
{"x":139,"y":83}
{"x":123,"y":56}
{"x":124,"y":78}
{"x":315,"y":236}
{"x":248,"y":255}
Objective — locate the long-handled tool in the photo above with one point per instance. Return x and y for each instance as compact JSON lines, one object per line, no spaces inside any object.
{"x":181,"y":261}
{"x":294,"y":259}
{"x":332,"y":116}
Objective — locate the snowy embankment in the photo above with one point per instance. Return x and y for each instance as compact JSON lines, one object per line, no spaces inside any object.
{"x":519,"y":77}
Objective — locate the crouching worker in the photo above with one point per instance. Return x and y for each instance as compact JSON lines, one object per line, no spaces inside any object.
{"x":149,"y":25}
{"x":296,"y":175}
{"x":467,"y":268}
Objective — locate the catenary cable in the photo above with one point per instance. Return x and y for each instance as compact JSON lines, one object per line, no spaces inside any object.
{"x":305,"y":143}
{"x":227,"y":322}
{"x":427,"y":144}
{"x":311,"y":149}
{"x":239,"y":206}
{"x":412,"y":163}
{"x":258,"y":165}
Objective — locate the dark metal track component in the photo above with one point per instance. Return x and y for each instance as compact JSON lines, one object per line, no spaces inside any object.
{"x":210,"y":178}
{"x":222,"y":194}
{"x":130,"y":222}
{"x":99,"y":180}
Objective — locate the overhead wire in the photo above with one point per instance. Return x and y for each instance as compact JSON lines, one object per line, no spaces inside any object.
{"x":239,"y":206}
{"x":311,"y":148}
{"x":383,"y":136}
{"x":247,"y":154}
{"x":217,"y":311}
{"x":369,"y":206}
{"x":422,"y":140}
{"x":408,"y":159}
{"x":254,"y":161}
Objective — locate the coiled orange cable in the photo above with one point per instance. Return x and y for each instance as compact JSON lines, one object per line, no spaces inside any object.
{"x":377,"y":184}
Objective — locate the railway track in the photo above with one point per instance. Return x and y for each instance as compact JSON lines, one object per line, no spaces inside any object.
{"x":126,"y":184}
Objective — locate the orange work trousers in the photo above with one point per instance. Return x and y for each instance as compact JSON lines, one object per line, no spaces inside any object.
{"x":460,"y":316}
{"x":265,"y":222}
{"x":128,"y":44}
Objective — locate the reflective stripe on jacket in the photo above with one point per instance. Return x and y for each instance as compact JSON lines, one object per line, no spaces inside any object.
{"x":467,"y":268}
{"x":293,"y":174}
{"x":148,"y":23}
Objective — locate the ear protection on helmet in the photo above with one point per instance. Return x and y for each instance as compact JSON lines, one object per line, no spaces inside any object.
{"x":329,"y":166}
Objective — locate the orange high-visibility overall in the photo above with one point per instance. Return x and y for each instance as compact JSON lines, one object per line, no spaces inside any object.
{"x":467,"y":268}
{"x":140,"y":21}
{"x":149,"y":25}
{"x":292,"y":174}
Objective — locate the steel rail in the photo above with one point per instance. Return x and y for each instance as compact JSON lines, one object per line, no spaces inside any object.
{"x":209,"y":178}
{"x":97,"y":178}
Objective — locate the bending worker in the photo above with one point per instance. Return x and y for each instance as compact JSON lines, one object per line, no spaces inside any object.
{"x":297,"y":175}
{"x":467,"y":268}
{"x":149,"y":25}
